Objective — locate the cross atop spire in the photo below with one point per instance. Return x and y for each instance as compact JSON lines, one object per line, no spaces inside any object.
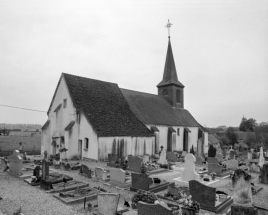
{"x":168,"y":26}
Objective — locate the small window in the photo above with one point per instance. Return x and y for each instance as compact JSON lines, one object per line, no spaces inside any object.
{"x":78,"y":117}
{"x":178,"y":96}
{"x":64,"y":103}
{"x":86,"y":143}
{"x":178,"y":132}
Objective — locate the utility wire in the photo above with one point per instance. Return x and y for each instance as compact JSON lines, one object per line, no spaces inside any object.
{"x":22,"y":108}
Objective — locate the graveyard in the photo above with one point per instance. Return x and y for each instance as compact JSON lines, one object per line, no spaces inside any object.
{"x":171,"y":183}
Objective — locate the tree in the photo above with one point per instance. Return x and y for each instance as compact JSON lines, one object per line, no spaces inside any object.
{"x":212,"y":151}
{"x":192,"y":150}
{"x":242,"y":126}
{"x":231,"y":135}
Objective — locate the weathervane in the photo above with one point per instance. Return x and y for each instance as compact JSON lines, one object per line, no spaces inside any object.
{"x":168,"y":26}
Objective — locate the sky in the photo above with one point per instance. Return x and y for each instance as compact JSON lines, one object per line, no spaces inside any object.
{"x":220,"y":49}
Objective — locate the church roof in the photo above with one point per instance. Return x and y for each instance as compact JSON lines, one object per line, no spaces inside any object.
{"x":170,"y":73}
{"x":212,"y":139}
{"x":156,"y":110}
{"x":105,"y":107}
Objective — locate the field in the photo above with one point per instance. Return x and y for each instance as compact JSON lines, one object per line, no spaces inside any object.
{"x":32,"y":145}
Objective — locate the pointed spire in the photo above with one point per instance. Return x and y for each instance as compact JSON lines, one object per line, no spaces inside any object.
{"x":170,"y":73}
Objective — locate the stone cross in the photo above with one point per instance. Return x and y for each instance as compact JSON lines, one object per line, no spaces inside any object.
{"x":163,"y":156}
{"x":189,"y":172}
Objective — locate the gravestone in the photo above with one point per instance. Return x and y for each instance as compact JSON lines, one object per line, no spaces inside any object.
{"x":45,"y":169}
{"x":134,"y":163}
{"x":107,"y":203}
{"x":232,"y":164}
{"x":240,"y":210}
{"x":212,"y":160}
{"x":219,"y":157}
{"x":100,"y":173}
{"x":163,"y":157}
{"x":171,"y":157}
{"x":189,"y":172}
{"x":264,"y":174}
{"x":261,"y":159}
{"x":84,"y":170}
{"x":231,"y":154}
{"x":199,"y":160}
{"x":241,"y":182}
{"x":112,"y":158}
{"x":173,"y":190}
{"x":249,"y":155}
{"x":153,"y":209}
{"x":118,"y":177}
{"x":15,"y":164}
{"x":146,"y":158}
{"x":214,"y":167}
{"x":206,"y":197}
{"x":3,"y":164}
{"x":36,"y":172}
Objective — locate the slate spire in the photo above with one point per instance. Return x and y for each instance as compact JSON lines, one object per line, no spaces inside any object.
{"x":170,"y":73}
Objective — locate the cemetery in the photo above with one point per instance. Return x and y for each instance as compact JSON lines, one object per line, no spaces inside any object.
{"x":166,"y":184}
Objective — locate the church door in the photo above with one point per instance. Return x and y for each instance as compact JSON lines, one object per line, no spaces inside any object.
{"x":80,"y":149}
{"x":185,"y":140}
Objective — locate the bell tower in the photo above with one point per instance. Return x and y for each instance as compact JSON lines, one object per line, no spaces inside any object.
{"x":170,"y":88}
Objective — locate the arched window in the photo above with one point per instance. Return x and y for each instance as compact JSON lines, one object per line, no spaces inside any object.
{"x":165,"y":92}
{"x":178,"y":96}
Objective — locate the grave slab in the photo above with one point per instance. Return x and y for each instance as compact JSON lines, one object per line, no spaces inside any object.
{"x":69,"y":185}
{"x":153,"y":209}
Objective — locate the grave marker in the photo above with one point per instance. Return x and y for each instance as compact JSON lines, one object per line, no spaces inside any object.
{"x":231,"y":154}
{"x":232,"y":164}
{"x":264,"y":174}
{"x":261,"y":159}
{"x":134,"y":163}
{"x":45,"y":169}
{"x":118,"y":178}
{"x":189,"y":172}
{"x":15,"y":164}
{"x":171,"y":157}
{"x":146,"y":158}
{"x":153,"y":209}
{"x":212,"y":160}
{"x":219,"y":157}
{"x":199,"y":160}
{"x":112,"y":158}
{"x":107,"y":203}
{"x":101,"y":173}
{"x":163,"y":157}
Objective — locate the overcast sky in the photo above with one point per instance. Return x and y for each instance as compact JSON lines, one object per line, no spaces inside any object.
{"x":220,"y":49}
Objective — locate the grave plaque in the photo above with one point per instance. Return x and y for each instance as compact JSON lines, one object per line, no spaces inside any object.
{"x":219,"y":157}
{"x":107,"y":203}
{"x":134,"y":163}
{"x":153,"y":209}
{"x":112,"y":158}
{"x":15,"y":164}
{"x":232,"y":164}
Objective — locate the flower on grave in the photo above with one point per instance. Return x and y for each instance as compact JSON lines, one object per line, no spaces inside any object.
{"x":187,"y":202}
{"x":144,"y":196}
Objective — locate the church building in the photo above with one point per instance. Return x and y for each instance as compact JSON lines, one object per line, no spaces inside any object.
{"x":92,"y":118}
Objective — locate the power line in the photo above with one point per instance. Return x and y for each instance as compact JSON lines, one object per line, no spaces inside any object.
{"x":22,"y":108}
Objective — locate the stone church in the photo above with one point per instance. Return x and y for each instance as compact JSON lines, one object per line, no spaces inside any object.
{"x":93,"y":118}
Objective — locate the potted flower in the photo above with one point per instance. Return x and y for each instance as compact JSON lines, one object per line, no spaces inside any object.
{"x":144,"y":196}
{"x":213,"y":175}
{"x":189,"y":207}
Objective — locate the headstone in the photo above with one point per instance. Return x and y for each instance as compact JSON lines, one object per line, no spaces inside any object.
{"x":107,"y":203}
{"x":85,"y":170}
{"x":117,"y":175}
{"x":36,"y":172}
{"x":264,"y":174}
{"x":214,"y":167}
{"x":219,"y":157}
{"x":242,"y":188}
{"x":212,"y":160}
{"x":189,"y":172}
{"x":241,"y":210}
{"x":173,"y":190}
{"x":153,"y":209}
{"x":162,"y":160}
{"x":3,"y":164}
{"x":101,"y":173}
{"x":249,"y":155}
{"x":261,"y":159}
{"x":140,"y":181}
{"x":199,"y":160}
{"x":15,"y":164}
{"x":183,"y":154}
{"x":134,"y":163}
{"x":146,"y":158}
{"x":112,"y":158}
{"x":45,"y":169}
{"x":45,"y":155}
{"x":232,"y":164}
{"x":231,"y":154}
{"x":171,"y":157}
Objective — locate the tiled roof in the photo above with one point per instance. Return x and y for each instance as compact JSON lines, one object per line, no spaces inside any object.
{"x":156,"y":110}
{"x":45,"y":125}
{"x":69,"y":126}
{"x":105,"y":107}
{"x":212,"y":139}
